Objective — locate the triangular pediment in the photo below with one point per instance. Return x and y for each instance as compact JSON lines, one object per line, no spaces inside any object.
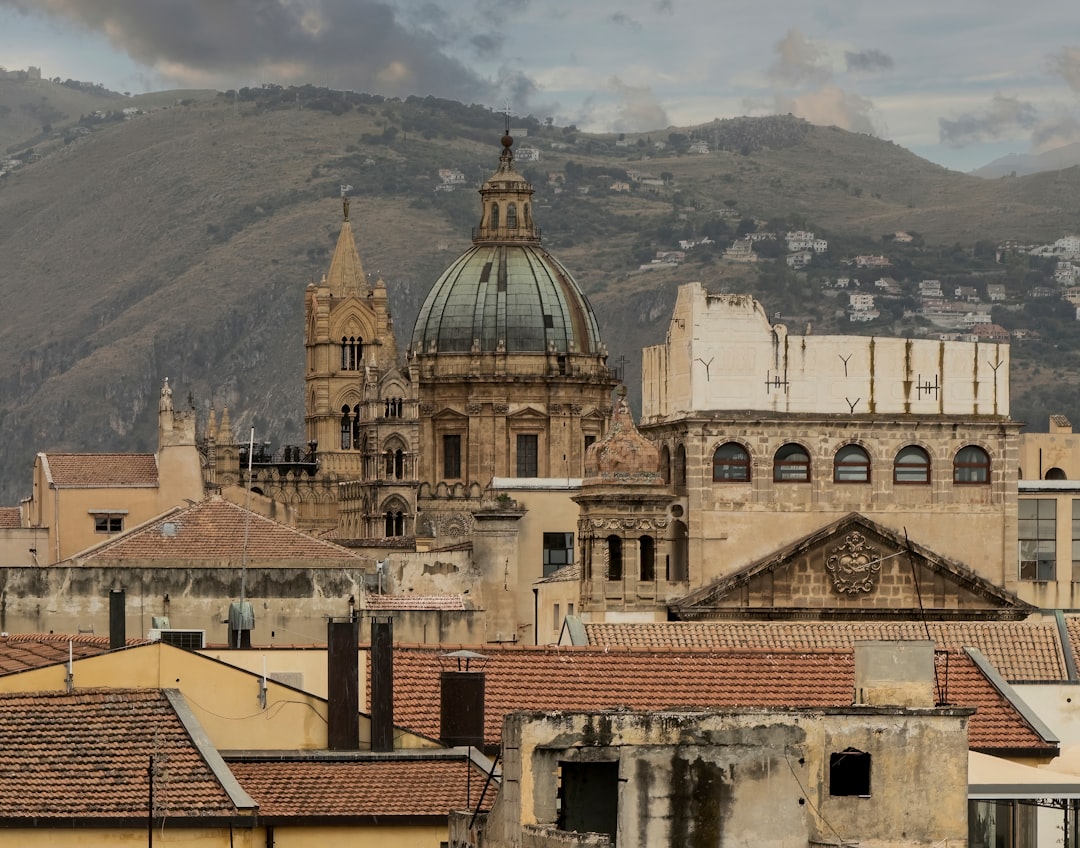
{"x":526,"y":414}
{"x":448,"y":414}
{"x":850,"y":569}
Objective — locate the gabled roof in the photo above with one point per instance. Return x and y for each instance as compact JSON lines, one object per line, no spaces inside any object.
{"x":84,"y":756}
{"x":1020,"y":651}
{"x":552,"y":678}
{"x":880,"y":545}
{"x":388,"y":787}
{"x":10,"y":517}
{"x":217,"y":529}
{"x":20,"y":651}
{"x":100,"y":470}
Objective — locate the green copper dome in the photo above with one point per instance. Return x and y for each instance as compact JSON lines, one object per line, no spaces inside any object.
{"x":506,"y":293}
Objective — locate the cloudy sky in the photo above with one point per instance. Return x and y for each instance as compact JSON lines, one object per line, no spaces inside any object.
{"x":959,"y":82}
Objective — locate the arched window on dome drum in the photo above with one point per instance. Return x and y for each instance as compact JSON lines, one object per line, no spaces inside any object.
{"x":351,"y":352}
{"x":851,"y":465}
{"x":678,"y":565}
{"x":346,"y":428}
{"x":494,"y":216}
{"x":614,"y":552}
{"x":731,"y":464}
{"x":525,"y":215}
{"x":791,"y":464}
{"x":680,"y":469}
{"x":646,"y":559}
{"x":971,"y":465}
{"x":912,"y":465}
{"x":511,"y":216}
{"x":665,"y":464}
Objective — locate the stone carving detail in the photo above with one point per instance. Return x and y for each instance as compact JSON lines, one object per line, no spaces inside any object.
{"x":501,"y":408}
{"x":454,"y":525}
{"x":555,"y":408}
{"x":474,"y":408}
{"x":854,"y":566}
{"x":575,"y":408}
{"x":427,"y":409}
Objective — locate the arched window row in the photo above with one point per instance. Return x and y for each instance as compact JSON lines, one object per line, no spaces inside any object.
{"x":393,"y":407}
{"x":352,"y":349}
{"x":851,"y":464}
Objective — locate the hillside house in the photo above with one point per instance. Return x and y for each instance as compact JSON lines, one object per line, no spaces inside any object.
{"x":741,"y":250}
{"x":800,"y":259}
{"x":996,"y":292}
{"x":868,"y":261}
{"x":698,"y":147}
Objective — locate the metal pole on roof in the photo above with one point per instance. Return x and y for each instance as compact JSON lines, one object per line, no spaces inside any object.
{"x":247,"y":525}
{"x":150,"y":805}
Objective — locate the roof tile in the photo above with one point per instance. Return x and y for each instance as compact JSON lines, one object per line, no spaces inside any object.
{"x":102,"y":469}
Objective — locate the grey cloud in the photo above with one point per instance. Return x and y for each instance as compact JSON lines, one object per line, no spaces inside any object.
{"x":487,"y":42}
{"x":1005,"y":114}
{"x":1067,"y":63}
{"x":664,"y":6}
{"x":355,"y":43}
{"x":868,"y":61}
{"x":1055,"y":132}
{"x":798,"y":61}
{"x":623,"y":19}
{"x":639,"y":108}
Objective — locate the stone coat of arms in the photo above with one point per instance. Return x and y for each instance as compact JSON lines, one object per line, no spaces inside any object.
{"x":854,"y":565}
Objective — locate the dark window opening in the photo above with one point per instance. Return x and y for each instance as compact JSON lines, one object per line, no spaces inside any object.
{"x":549,"y":321}
{"x":665,"y":464}
{"x":1055,"y":474}
{"x":495,"y":216}
{"x":679,"y":561}
{"x":562,"y":364}
{"x":351,"y":350}
{"x":590,"y":440}
{"x":646,"y":559}
{"x":589,"y":798}
{"x":108,"y":523}
{"x":558,"y":551}
{"x":527,"y":455}
{"x":849,"y":773}
{"x":614,"y":552}
{"x":346,"y":428}
{"x":680,"y":469}
{"x":511,"y":216}
{"x":451,"y":445}
{"x":393,"y":407}
{"x":395,"y":523}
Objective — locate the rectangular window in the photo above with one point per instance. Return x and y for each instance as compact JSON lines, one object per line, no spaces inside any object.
{"x":555,"y":618}
{"x":108,"y":523}
{"x":558,"y":551}
{"x":527,"y":455}
{"x":589,"y":441}
{"x":1037,"y":526}
{"x":1076,"y":540}
{"x":451,"y":445}
{"x":849,"y":773}
{"x":569,"y":609}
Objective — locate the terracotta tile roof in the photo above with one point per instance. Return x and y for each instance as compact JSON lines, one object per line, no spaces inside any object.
{"x":101,"y":469}
{"x":20,"y":651}
{"x":215,"y":529}
{"x":85,"y":756}
{"x":1072,"y":627}
{"x":345,"y":789}
{"x":553,"y":678}
{"x":10,"y":517}
{"x":1017,"y":649}
{"x":412,"y":602}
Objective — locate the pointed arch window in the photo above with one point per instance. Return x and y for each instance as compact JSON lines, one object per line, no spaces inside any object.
{"x":395,"y":464}
{"x":395,"y":523}
{"x":346,"y":428}
{"x":356,"y":427}
{"x":351,"y":352}
{"x":392,"y":407}
{"x":511,"y":216}
{"x":494,"y":216}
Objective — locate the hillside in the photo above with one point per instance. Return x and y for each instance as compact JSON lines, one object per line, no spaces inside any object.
{"x":178,"y":243}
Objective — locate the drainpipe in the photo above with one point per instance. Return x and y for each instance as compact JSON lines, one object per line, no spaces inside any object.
{"x":56,"y":521}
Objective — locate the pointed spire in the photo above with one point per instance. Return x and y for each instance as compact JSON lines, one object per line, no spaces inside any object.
{"x":225,"y":430}
{"x":346,"y":271}
{"x":211,"y":425}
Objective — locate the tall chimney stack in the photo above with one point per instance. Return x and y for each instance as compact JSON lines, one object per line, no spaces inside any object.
{"x":461,"y":703}
{"x":343,"y":705}
{"x":117,"y":622}
{"x":382,"y":683}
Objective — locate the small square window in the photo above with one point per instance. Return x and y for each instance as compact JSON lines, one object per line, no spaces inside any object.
{"x":849,"y":773}
{"x":108,"y":523}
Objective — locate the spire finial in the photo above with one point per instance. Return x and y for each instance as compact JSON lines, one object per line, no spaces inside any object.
{"x":345,"y":205}
{"x":506,"y":112}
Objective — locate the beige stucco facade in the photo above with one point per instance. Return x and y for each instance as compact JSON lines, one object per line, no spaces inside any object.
{"x":728,"y":398}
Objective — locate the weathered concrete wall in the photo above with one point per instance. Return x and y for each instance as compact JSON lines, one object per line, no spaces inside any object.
{"x":721,"y":353}
{"x":720,"y":778}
